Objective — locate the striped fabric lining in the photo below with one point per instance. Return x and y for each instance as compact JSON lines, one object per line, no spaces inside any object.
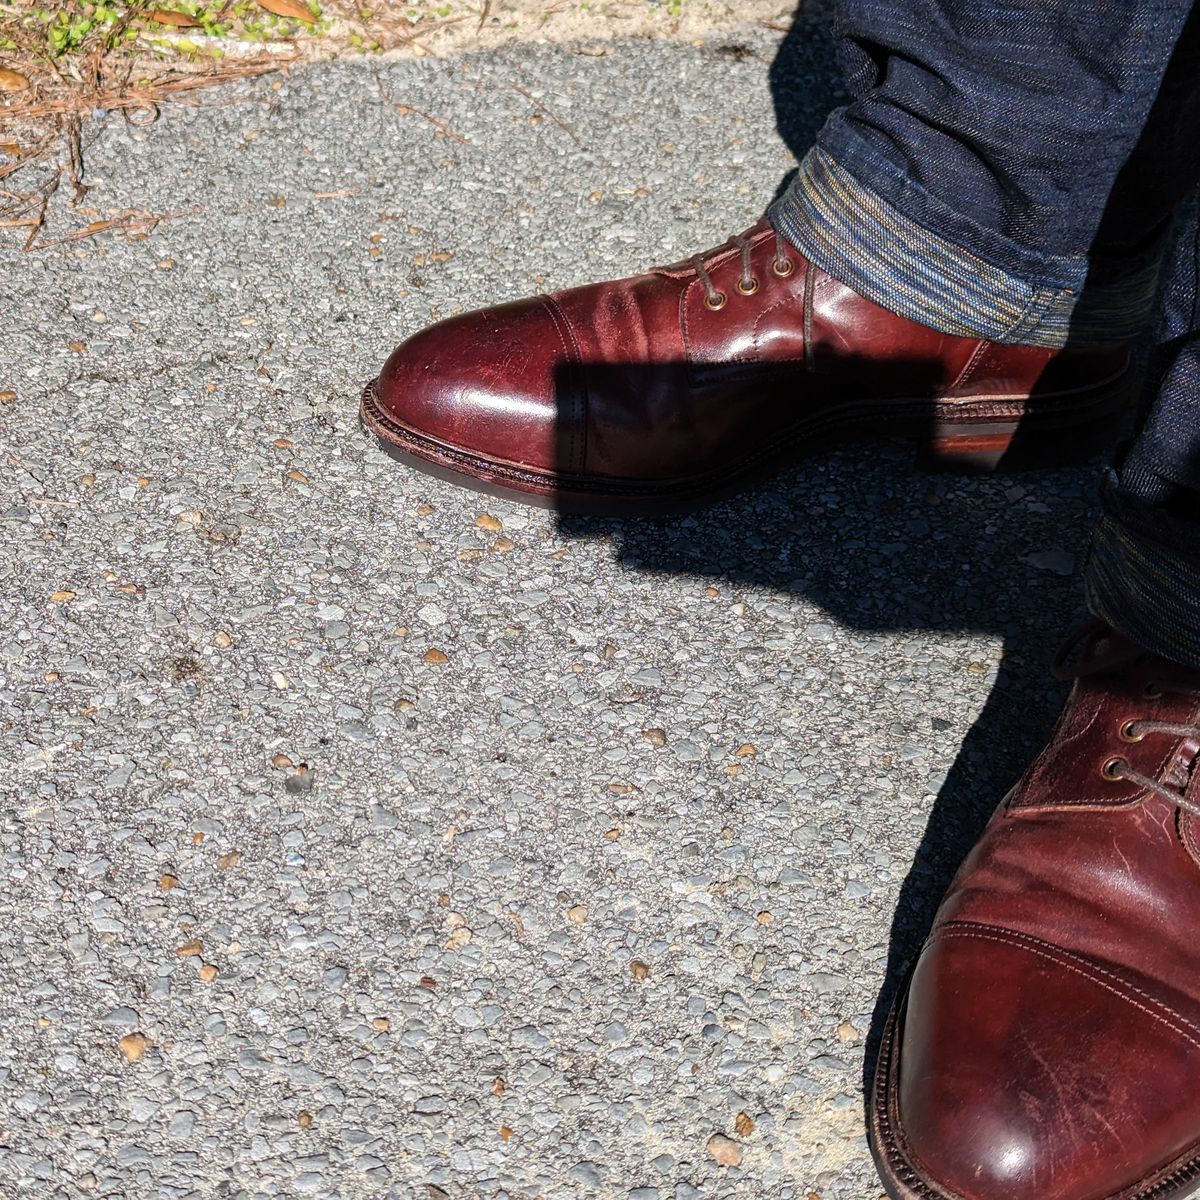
{"x":858,"y":237}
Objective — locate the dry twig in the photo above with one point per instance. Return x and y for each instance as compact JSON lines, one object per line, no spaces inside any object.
{"x":406,"y":110}
{"x":132,"y":222}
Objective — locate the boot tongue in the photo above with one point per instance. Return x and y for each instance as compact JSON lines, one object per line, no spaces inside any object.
{"x":1189,"y":826}
{"x":1182,"y":772}
{"x":1092,"y":648}
{"x":727,"y":247}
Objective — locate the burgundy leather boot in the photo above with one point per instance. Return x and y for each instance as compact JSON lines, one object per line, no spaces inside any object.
{"x":1048,"y":1047}
{"x":671,"y":387}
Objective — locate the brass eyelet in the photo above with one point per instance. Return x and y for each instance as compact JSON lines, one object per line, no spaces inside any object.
{"x":748,"y":291}
{"x":1152,"y":691}
{"x":1112,"y":767}
{"x":1127,"y":732}
{"x":783,"y":267}
{"x":717,"y":302}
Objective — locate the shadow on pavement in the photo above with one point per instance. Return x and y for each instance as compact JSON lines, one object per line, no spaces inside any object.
{"x":910,"y":566}
{"x":909,"y":563}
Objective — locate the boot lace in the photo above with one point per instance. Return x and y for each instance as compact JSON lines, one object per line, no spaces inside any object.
{"x":1119,"y":767}
{"x":747,"y":284}
{"x":1108,"y":658}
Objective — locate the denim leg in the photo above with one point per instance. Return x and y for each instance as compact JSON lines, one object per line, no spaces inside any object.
{"x":1143,"y":574}
{"x":998,"y":161}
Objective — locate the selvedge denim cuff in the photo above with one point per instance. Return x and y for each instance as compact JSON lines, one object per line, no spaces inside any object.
{"x":857,"y":235}
{"x":1143,"y":576}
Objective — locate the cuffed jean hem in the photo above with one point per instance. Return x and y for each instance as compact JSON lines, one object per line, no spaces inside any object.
{"x":1143,"y":576}
{"x":857,"y":235}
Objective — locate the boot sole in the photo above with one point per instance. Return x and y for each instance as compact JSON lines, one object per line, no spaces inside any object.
{"x":981,"y":435}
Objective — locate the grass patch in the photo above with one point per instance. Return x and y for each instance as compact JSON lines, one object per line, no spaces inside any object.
{"x":60,"y":62}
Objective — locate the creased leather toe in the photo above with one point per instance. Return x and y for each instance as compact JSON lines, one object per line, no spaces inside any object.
{"x":1048,"y":1045}
{"x":452,"y":384}
{"x":1026,"y":1071}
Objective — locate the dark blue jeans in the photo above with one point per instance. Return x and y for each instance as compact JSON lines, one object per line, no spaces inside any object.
{"x":1021,"y":170}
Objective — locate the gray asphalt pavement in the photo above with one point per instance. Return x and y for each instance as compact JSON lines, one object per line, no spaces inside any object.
{"x":598,"y":900}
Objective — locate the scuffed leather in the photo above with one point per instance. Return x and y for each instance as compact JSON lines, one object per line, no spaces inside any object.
{"x":639,"y":380}
{"x":1051,"y":1034}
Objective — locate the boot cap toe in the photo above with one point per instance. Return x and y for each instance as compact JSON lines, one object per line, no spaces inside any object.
{"x":1022,"y":1069}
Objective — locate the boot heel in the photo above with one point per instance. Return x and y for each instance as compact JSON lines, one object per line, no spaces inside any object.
{"x":1051,"y":433}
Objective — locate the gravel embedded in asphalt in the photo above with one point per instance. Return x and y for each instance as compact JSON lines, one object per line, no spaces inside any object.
{"x":595,"y":901}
